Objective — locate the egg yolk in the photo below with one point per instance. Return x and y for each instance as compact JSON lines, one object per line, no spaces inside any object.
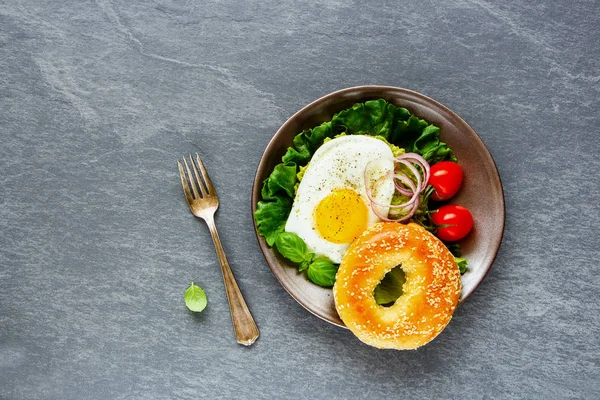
{"x":341,"y":216}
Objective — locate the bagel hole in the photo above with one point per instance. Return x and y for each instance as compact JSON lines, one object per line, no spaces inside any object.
{"x":390,"y":288}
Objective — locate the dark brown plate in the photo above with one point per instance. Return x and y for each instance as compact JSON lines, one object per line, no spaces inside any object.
{"x":481,"y":191}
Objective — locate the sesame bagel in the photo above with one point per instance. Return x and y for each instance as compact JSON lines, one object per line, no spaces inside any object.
{"x":430,"y":293}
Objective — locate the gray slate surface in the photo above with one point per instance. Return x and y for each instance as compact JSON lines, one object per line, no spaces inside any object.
{"x":99,"y":98}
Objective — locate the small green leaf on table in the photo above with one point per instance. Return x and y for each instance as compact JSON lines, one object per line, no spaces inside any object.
{"x":195,"y":298}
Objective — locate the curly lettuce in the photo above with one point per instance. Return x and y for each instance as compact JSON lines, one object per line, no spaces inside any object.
{"x":271,"y":216}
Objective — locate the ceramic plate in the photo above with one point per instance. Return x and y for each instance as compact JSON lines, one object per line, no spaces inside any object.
{"x":481,"y":192}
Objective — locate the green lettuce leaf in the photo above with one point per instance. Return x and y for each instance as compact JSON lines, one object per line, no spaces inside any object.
{"x":454,"y":249}
{"x":462,"y":264}
{"x":282,"y":179}
{"x":429,"y":146}
{"x":396,"y":125}
{"x":293,"y":156}
{"x":456,"y":252}
{"x":306,"y":143}
{"x":299,"y":153}
{"x":374,"y":117}
{"x":407,"y":132}
{"x":316,"y":136}
{"x":271,"y":216}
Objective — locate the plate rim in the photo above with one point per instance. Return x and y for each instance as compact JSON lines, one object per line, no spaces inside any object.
{"x":424,"y":100}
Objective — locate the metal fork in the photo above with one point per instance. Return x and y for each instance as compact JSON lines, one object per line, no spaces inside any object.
{"x":203,"y":201}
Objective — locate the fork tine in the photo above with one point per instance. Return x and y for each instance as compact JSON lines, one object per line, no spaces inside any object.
{"x":184,"y":183}
{"x":209,"y":185}
{"x":198,"y":180}
{"x":192,"y":181}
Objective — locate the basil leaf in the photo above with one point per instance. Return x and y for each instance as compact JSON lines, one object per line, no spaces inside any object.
{"x":271,"y":216}
{"x":322,"y":272}
{"x":306,"y":263}
{"x":291,"y":247}
{"x":303,"y":265}
{"x":390,"y":287}
{"x":195,"y":298}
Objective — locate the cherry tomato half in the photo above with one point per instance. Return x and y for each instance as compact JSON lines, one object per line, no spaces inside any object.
{"x":454,"y":222}
{"x":446,"y":178}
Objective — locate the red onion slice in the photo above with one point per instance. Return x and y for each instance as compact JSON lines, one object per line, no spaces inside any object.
{"x":403,"y":184}
{"x":412,"y":169}
{"x":421,"y":162}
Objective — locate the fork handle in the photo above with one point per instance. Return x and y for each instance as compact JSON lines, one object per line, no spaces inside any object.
{"x":246,"y":331}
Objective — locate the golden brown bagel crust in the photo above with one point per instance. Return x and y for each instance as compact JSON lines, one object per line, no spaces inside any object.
{"x":430,"y":293}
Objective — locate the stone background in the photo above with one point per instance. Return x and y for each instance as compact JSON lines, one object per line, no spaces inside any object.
{"x":99,"y":98}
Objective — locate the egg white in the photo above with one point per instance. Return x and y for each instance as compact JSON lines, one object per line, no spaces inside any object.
{"x":340,"y":164}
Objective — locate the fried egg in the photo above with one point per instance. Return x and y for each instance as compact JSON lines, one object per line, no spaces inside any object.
{"x":331,"y":207}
